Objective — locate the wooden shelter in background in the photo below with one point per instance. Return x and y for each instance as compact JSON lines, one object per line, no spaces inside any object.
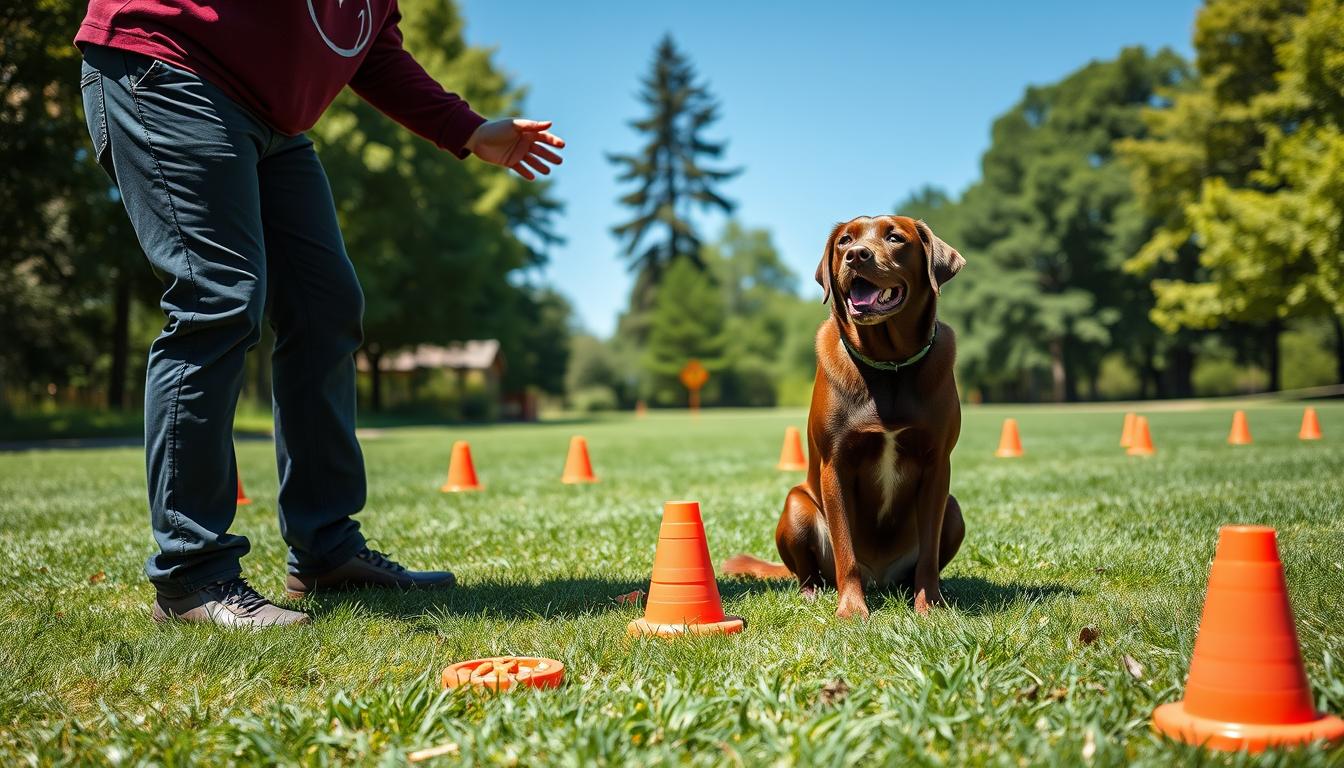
{"x":480,"y":356}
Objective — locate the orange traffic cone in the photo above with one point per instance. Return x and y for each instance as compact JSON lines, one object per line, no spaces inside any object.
{"x":791,"y":458}
{"x":1010,"y":443}
{"x":242,"y":497}
{"x":578,"y":468}
{"x":1247,"y":688}
{"x":1311,"y":425}
{"x":641,"y":409}
{"x":1241,"y":430}
{"x":461,"y":471}
{"x":683,"y":596}
{"x":1142,"y":442}
{"x":1127,"y":432}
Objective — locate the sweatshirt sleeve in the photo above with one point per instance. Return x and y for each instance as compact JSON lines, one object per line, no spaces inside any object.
{"x":395,"y":84}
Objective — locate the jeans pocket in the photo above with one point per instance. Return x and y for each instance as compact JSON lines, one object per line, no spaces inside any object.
{"x":146,"y":76}
{"x":95,"y":113}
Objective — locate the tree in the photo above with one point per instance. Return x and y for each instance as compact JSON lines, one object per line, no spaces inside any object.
{"x":1274,"y":248}
{"x":668,"y":172}
{"x":435,"y":239}
{"x":70,"y":266}
{"x":1046,"y":229}
{"x":1208,"y":137}
{"x":759,"y":299}
{"x":686,"y":321}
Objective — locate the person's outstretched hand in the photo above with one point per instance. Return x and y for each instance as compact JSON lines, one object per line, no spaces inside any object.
{"x":517,"y":144}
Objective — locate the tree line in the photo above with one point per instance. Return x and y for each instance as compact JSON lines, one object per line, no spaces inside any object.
{"x":1145,"y":227}
{"x":445,"y":250}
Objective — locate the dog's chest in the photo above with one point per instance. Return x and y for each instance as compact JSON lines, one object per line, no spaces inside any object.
{"x":887,"y":473}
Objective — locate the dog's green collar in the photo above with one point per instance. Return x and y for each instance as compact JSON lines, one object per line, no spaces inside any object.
{"x":884,"y":365}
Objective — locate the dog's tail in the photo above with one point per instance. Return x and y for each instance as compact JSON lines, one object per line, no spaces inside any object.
{"x":754,"y":567}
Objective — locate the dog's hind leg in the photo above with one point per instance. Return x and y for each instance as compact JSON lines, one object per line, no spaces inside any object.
{"x":803,"y":541}
{"x":954,"y":530}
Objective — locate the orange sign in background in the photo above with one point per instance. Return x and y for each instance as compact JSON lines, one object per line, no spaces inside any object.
{"x":693,"y":377}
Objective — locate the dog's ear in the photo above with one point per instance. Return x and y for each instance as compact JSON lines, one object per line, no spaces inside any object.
{"x":944,"y":261}
{"x":824,"y":268}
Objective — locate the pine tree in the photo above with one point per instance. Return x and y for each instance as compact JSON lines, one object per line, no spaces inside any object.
{"x":668,"y":172}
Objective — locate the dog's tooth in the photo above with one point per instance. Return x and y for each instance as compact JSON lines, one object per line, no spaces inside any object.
{"x":886,"y":294}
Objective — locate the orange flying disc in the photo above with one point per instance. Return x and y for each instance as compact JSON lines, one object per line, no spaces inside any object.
{"x":501,"y":673}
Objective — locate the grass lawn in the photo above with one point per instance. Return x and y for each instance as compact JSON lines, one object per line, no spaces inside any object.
{"x":1075,"y":534}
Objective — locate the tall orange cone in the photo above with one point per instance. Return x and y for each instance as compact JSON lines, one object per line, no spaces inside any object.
{"x":1311,"y":425}
{"x":1010,"y":443}
{"x":1127,"y":432}
{"x":1241,"y":430}
{"x":461,"y":470}
{"x":791,"y":458}
{"x":1142,"y":442}
{"x":242,"y":497}
{"x":683,"y":596}
{"x":578,"y":467}
{"x":1247,"y":688}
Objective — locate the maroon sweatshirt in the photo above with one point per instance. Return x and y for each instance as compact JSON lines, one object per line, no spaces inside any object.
{"x":286,"y":60}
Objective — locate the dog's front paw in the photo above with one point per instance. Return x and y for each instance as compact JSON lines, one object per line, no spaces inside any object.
{"x":852,"y":606}
{"x":927,"y":598}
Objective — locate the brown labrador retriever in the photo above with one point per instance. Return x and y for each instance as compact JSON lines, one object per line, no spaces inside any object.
{"x":874,"y":509}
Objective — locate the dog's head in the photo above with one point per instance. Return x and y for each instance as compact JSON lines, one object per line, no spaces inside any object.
{"x":878,"y":265}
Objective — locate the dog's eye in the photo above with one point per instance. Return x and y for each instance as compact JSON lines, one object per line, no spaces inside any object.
{"x":895,"y":237}
{"x":844,"y":240}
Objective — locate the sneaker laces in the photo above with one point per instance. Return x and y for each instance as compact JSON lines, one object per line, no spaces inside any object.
{"x":237,"y":593}
{"x":379,"y":560}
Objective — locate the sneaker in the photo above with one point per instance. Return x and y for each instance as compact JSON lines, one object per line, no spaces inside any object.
{"x":230,"y":602}
{"x":368,"y":568}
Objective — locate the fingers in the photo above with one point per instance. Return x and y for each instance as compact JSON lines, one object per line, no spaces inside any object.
{"x":549,"y":138}
{"x":523,"y":171}
{"x":537,"y":164}
{"x":546,"y":154}
{"x":531,"y":125}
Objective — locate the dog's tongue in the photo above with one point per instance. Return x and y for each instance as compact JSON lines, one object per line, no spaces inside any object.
{"x":863,"y":294}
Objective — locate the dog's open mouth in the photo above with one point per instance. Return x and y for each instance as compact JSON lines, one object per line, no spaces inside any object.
{"x":867,"y":299}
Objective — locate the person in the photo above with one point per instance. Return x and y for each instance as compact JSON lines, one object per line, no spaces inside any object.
{"x":198,"y":112}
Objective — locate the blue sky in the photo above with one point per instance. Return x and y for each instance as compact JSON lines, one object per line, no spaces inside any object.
{"x":833,"y":109}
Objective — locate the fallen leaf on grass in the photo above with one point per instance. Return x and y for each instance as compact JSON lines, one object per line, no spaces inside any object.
{"x":630,"y":598}
{"x":1134,"y":668}
{"x":834,"y":692}
{"x":425,"y":754}
{"x":1089,"y":635}
{"x":97,"y":577}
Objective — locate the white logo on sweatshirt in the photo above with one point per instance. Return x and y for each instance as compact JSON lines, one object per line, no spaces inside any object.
{"x":362,"y":39}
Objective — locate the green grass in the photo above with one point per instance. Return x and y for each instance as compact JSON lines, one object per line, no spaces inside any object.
{"x":1074,"y":534}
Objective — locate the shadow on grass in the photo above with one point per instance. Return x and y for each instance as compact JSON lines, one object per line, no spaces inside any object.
{"x":549,"y":599}
{"x":571,"y":598}
{"x":972,"y":595}
{"x":976,"y":596}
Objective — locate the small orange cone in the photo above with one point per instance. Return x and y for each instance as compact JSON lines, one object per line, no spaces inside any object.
{"x":1010,"y":443}
{"x":1247,"y":688}
{"x":1127,"y":432}
{"x":641,"y":409}
{"x":1142,"y":442}
{"x":683,"y":595}
{"x":791,"y":458}
{"x":1241,"y":430}
{"x":578,"y":467}
{"x":242,"y":497}
{"x":461,"y":470}
{"x":1311,"y":425}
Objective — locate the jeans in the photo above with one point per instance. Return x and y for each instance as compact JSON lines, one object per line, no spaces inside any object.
{"x":238,"y":223}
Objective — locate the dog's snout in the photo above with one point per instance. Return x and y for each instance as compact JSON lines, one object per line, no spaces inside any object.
{"x":859,"y":254}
